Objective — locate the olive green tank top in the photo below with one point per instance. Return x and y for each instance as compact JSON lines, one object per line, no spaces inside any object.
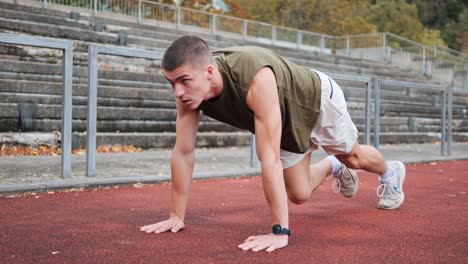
{"x":298,"y":91}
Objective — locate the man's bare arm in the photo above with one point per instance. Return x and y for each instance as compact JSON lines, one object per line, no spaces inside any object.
{"x":182,"y":163}
{"x":262,"y":99}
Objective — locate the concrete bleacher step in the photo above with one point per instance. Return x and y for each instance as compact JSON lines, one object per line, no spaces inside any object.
{"x":154,"y":43}
{"x":143,"y":101}
{"x":168,"y":31}
{"x":15,"y":97}
{"x":167,"y":140}
{"x":47,"y":19}
{"x":39,"y":87}
{"x":48,"y":30}
{"x":34,"y":10}
{"x":223,"y":139}
{"x":12,"y":110}
{"x":124,"y":126}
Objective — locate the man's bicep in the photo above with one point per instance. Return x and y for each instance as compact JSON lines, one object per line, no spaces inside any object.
{"x":263,"y":101}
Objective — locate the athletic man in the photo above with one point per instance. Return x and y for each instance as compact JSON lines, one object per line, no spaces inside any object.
{"x":291,"y":109}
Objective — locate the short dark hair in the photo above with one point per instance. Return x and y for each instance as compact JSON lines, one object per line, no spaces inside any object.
{"x":186,"y":49}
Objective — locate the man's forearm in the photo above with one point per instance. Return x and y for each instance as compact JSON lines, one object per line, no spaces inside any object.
{"x":275,"y":192}
{"x":181,"y":178}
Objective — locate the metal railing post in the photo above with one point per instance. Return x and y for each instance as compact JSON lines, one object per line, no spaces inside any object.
{"x":178,"y":18}
{"x":384,"y":46}
{"x":377,"y":114}
{"x":273,"y":34}
{"x":423,"y":66}
{"x":254,"y":162}
{"x":450,"y":119}
{"x":95,"y":7}
{"x":368,"y":110}
{"x":245,"y":30}
{"x":139,"y":11}
{"x":443,"y":122}
{"x":92,"y":111}
{"x":67,"y":111}
{"x":322,"y":43}
{"x":348,"y":50}
{"x":213,"y":24}
{"x":300,"y":39}
{"x":465,"y":76}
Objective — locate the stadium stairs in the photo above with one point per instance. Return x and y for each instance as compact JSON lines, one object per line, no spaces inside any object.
{"x":135,"y":102}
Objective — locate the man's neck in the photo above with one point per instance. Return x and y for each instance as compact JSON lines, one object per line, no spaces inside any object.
{"x":217,"y":84}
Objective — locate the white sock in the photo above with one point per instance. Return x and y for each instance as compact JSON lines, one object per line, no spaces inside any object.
{"x":387,"y":175}
{"x":336,"y":164}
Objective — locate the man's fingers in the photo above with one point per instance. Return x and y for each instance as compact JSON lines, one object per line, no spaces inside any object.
{"x":260,"y":247}
{"x":265,"y":242}
{"x":155,"y":228}
{"x":250,"y":238}
{"x":271,"y":248}
{"x":149,"y":227}
{"x":163,"y":228}
{"x":178,"y":227}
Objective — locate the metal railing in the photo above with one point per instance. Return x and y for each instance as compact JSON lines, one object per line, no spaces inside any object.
{"x":441,"y":64}
{"x":372,"y":86}
{"x":442,"y":90}
{"x":67,"y":48}
{"x":93,"y":52}
{"x":451,"y":95}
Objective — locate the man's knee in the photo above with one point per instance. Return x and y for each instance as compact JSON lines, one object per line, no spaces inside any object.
{"x":299,"y":197}
{"x":351,"y":159}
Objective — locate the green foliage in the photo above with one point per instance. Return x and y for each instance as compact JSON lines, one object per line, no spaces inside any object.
{"x":329,"y":17}
{"x":431,"y":22}
{"x":398,"y":17}
{"x":447,"y":17}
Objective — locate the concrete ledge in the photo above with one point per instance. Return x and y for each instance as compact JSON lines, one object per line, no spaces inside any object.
{"x":67,"y":184}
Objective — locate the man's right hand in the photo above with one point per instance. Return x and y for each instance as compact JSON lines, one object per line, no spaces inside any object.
{"x":174,"y":224}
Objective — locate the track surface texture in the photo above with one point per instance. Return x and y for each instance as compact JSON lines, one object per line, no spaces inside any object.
{"x":102,"y":226}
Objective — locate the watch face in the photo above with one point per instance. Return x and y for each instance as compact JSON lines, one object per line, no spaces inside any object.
{"x":277,"y":229}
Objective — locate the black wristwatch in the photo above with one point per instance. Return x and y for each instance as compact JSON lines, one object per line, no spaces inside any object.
{"x":279,"y":230}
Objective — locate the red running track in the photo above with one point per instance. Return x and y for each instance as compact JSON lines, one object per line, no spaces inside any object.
{"x":102,"y":226}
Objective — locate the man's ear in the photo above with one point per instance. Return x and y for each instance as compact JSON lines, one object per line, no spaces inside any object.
{"x":210,"y":72}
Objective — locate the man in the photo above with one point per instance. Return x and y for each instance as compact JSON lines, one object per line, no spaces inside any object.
{"x":291,"y":109}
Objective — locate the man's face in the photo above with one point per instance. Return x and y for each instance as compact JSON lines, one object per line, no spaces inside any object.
{"x":190,"y":84}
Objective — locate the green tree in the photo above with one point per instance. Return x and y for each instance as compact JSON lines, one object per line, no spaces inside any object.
{"x":398,"y":17}
{"x":463,"y":39}
{"x":342,"y":17}
{"x":329,"y":17}
{"x":445,"y":16}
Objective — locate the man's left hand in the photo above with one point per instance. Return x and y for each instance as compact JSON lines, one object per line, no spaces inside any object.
{"x":269,"y":242}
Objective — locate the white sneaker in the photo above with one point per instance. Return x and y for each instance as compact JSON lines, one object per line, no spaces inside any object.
{"x":346,"y":182}
{"x":391,"y":192}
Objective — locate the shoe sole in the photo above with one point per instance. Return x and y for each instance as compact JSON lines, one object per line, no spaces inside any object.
{"x":356,"y":182}
{"x":401,"y":170}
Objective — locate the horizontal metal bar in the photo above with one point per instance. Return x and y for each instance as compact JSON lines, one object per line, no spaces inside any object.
{"x":346,"y":77}
{"x":127,"y":52}
{"x":158,"y":4}
{"x":404,"y":39}
{"x":459,"y":91}
{"x":35,"y":41}
{"x":360,"y":35}
{"x":422,"y":86}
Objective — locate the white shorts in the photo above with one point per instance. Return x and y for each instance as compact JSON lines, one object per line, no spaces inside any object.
{"x":334,"y":131}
